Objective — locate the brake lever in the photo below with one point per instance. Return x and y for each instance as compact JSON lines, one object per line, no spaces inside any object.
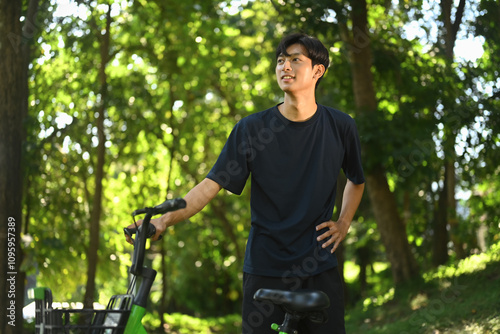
{"x":129,"y":232}
{"x":132,"y":231}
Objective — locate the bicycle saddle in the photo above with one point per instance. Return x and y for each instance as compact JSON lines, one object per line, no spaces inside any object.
{"x":303,"y":301}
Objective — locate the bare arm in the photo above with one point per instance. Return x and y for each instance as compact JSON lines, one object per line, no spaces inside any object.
{"x":350,"y":201}
{"x":338,"y":230}
{"x":196,"y":199}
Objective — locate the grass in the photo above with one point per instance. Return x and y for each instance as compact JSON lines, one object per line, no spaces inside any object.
{"x":177,"y":323}
{"x":460,"y":298}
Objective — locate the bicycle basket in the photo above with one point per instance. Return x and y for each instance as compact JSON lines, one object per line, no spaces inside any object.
{"x":112,"y":320}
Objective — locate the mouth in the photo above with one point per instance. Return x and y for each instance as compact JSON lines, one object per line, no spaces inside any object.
{"x":287,"y":77}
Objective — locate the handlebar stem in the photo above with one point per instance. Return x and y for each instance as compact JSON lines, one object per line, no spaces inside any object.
{"x":140,"y":244}
{"x":148,"y":276}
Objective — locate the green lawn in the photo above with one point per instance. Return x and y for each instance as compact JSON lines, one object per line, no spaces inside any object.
{"x":460,"y":298}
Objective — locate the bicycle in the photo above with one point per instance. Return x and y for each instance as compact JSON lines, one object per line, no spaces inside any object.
{"x":124,"y":313}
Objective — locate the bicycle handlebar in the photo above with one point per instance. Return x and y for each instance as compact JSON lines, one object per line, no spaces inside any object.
{"x":147,"y":230}
{"x":131,"y":231}
{"x":168,"y":205}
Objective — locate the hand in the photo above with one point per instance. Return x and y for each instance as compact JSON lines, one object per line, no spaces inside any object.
{"x":160,"y":228}
{"x":337,"y":232}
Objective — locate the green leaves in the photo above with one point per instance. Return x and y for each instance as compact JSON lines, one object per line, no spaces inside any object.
{"x":180,"y":75}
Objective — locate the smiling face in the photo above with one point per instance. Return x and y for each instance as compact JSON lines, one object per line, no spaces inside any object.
{"x":295,"y":72}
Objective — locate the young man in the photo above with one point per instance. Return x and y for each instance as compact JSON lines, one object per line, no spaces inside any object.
{"x":293,"y":153}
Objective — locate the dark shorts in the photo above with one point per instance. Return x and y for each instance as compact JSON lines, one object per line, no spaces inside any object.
{"x":257,"y":317}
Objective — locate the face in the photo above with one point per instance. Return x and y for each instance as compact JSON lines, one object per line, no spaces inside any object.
{"x":295,"y":72}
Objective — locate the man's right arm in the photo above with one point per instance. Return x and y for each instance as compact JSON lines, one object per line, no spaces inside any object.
{"x":196,"y":199}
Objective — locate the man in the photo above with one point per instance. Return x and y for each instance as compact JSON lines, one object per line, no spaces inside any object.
{"x":293,"y":152}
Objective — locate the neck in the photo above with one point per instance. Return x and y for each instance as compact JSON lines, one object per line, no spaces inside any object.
{"x":298,"y":109}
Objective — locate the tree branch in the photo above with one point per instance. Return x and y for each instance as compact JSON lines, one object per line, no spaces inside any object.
{"x":458,"y":18}
{"x":276,"y":6}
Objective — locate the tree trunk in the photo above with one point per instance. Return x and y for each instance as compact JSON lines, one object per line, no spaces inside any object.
{"x":440,"y":236}
{"x":11,"y":93}
{"x":392,"y":230}
{"x":383,"y":201}
{"x":92,"y":252}
{"x":451,"y":205}
{"x":449,"y":191}
{"x":14,"y":55}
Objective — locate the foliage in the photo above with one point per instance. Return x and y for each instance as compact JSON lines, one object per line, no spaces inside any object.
{"x":180,"y":76}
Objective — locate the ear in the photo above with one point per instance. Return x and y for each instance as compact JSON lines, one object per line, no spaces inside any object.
{"x":318,"y":70}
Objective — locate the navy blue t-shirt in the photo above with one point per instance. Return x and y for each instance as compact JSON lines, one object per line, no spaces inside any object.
{"x":294,"y":168}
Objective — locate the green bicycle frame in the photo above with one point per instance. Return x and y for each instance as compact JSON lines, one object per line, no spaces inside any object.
{"x":134,"y":323}
{"x":138,"y":309}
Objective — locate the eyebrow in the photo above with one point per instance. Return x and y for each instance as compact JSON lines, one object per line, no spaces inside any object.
{"x":291,"y":55}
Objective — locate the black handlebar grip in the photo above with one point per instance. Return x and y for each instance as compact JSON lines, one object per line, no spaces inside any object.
{"x":151,"y":231}
{"x":170,"y":205}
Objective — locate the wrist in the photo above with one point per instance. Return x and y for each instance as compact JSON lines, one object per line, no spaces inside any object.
{"x":344,"y":221}
{"x":164,"y":220}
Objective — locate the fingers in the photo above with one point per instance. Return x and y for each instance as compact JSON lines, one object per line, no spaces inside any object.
{"x":337,"y":244}
{"x":334,"y":238}
{"x":331,"y":229}
{"x":136,"y":224}
{"x":129,"y":239}
{"x":157,"y":235}
{"x":160,"y":228}
{"x":333,"y":235}
{"x":322,"y":226}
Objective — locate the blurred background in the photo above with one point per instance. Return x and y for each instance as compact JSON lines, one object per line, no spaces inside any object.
{"x":110,"y":106}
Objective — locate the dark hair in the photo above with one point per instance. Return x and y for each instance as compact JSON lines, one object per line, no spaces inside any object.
{"x":316,"y":51}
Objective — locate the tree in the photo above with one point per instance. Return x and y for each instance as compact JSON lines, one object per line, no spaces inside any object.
{"x":11,"y":112}
{"x":15,"y":54}
{"x":384,"y":205}
{"x":482,"y":169}
{"x":447,"y":206}
{"x":70,"y":138}
{"x":103,"y":35}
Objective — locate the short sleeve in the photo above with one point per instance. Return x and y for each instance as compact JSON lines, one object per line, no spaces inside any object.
{"x":231,"y":169}
{"x":351,"y":165}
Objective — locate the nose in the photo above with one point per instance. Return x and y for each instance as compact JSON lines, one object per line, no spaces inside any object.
{"x":286,"y":65}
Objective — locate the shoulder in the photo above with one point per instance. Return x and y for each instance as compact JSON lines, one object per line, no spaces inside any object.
{"x":257,"y":120}
{"x":259,"y":116}
{"x":342,"y":121}
{"x":336,"y":114}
